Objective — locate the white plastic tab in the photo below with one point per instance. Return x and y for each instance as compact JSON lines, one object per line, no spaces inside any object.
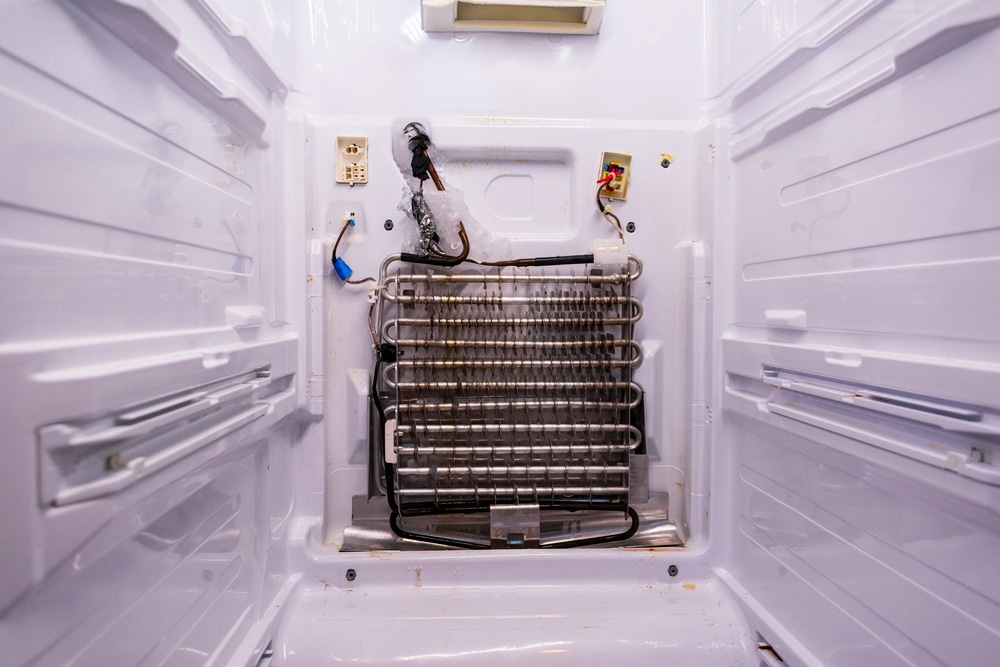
{"x":785,"y":318}
{"x":701,"y":289}
{"x":244,"y":316}
{"x":356,"y":421}
{"x":390,"y":441}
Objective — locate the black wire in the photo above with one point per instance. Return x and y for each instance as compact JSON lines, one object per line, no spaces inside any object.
{"x":433,"y":539}
{"x":558,"y":260}
{"x":603,"y":539}
{"x":460,"y":543}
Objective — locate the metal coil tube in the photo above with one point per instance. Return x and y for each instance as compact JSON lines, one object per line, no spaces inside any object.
{"x":434,"y":429}
{"x":637,"y":271}
{"x":510,"y":364}
{"x":554,"y":345}
{"x":517,"y":404}
{"x":493,"y":450}
{"x":489,"y":278}
{"x":520,"y":471}
{"x":528,"y":491}
{"x":512,"y":386}
{"x":585,"y":323}
{"x":451,"y":430}
{"x":499,"y":300}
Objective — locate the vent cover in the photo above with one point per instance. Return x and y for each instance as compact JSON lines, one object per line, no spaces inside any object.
{"x":581,"y":17}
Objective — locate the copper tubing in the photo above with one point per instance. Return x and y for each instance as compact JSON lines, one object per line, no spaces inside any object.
{"x":434,"y":174}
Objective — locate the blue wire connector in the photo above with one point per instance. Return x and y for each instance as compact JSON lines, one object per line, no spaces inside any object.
{"x":342,"y":269}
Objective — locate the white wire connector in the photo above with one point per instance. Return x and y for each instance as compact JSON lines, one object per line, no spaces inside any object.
{"x":608,"y":252}
{"x":373,"y":290}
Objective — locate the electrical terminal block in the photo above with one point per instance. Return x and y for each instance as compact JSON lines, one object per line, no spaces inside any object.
{"x":619,"y":167}
{"x":352,"y":160}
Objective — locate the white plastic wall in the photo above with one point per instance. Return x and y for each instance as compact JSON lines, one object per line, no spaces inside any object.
{"x":145,"y":254}
{"x":857,"y":243}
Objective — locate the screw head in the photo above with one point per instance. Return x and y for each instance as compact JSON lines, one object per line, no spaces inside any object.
{"x":388,"y":225}
{"x":672,"y":570}
{"x":630,"y":227}
{"x":351,"y":574}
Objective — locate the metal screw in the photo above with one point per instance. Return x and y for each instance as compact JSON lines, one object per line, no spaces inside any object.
{"x":630,"y":227}
{"x":672,"y":570}
{"x":388,"y":225}
{"x":664,"y":163}
{"x":352,"y":575}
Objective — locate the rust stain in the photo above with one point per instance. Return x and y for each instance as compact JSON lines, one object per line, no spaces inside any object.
{"x":690,"y":587}
{"x":325,"y":583}
{"x":679,"y":485}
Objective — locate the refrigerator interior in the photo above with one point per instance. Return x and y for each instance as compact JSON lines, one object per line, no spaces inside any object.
{"x":188,"y":427}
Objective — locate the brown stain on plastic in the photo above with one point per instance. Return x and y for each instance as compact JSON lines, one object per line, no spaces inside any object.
{"x":690,"y":587}
{"x":418,"y":584}
{"x":326,"y":584}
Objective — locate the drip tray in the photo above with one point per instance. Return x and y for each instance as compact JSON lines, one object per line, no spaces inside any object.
{"x":370,"y":529}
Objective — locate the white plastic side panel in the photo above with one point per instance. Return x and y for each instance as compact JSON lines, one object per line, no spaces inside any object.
{"x":177,"y":574}
{"x":864,"y":263}
{"x":151,"y":379}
